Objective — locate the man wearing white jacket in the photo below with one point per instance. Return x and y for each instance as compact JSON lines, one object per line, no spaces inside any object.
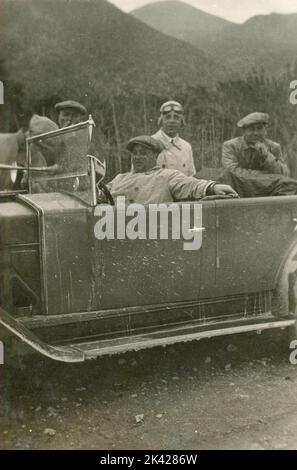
{"x":177,"y":153}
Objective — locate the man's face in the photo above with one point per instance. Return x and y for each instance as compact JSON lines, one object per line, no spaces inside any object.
{"x":172,"y":122}
{"x":143,"y":158}
{"x":255,"y":133}
{"x":68,"y":117}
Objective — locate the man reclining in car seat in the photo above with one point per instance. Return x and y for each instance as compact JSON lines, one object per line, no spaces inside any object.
{"x":253,"y":164}
{"x":148,"y":183}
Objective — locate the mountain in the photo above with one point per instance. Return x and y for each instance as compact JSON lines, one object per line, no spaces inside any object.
{"x":268,"y":41}
{"x":181,"y":21}
{"x":86,"y":48}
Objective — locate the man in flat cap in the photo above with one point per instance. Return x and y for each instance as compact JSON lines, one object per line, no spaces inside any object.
{"x":177,"y":154}
{"x":149,"y":183}
{"x":70,"y":112}
{"x":253,"y":153}
{"x":76,"y":143}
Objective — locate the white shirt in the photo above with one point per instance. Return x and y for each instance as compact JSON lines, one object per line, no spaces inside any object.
{"x":156,"y":186}
{"x":177,"y":154}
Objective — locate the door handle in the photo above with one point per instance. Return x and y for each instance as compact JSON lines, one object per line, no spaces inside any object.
{"x":199,"y":229}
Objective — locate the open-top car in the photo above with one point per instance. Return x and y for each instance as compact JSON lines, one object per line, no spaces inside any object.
{"x":73,"y":296}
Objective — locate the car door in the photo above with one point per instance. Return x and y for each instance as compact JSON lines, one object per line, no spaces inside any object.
{"x":208,"y":251}
{"x":253,"y":235}
{"x":148,"y":271}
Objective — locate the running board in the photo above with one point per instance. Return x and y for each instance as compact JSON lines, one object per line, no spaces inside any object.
{"x":58,"y":353}
{"x":167,"y":337}
{"x":79,"y":352}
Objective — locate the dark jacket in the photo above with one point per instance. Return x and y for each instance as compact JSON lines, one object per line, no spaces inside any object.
{"x":241,"y":158}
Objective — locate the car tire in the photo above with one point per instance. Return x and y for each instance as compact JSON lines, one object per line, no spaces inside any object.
{"x":285,"y":298}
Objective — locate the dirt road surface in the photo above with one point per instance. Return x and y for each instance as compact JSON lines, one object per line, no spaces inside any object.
{"x":236,"y":392}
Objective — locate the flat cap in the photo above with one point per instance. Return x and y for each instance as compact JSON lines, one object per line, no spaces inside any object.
{"x":253,"y":118}
{"x":70,"y":104}
{"x":146,"y":141}
{"x":171,"y":106}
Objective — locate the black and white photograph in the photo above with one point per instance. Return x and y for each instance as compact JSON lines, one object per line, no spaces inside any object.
{"x":148,"y":227}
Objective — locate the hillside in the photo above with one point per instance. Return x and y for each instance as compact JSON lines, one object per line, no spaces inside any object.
{"x":268,"y":41}
{"x":181,"y":21}
{"x":82,"y":48}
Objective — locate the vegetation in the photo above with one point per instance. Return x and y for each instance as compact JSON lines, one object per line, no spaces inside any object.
{"x":43,"y":61}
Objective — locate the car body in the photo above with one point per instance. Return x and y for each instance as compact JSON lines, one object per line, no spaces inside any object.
{"x":72,"y":297}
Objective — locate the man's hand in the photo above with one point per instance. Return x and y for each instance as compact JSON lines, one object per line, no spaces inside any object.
{"x":261,"y":149}
{"x":224,"y":189}
{"x":262,"y":153}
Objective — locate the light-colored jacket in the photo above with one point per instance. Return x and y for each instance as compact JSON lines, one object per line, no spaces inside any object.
{"x":240,"y":158}
{"x":157,"y":185}
{"x":177,"y":154}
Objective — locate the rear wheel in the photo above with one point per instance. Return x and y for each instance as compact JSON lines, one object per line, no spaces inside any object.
{"x":285,"y":301}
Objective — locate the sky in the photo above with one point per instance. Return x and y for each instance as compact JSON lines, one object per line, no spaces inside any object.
{"x":233,"y":10}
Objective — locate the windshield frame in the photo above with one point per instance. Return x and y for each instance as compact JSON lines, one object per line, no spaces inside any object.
{"x":90,"y":125}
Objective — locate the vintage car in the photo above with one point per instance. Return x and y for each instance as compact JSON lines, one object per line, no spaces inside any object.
{"x":71,"y":296}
